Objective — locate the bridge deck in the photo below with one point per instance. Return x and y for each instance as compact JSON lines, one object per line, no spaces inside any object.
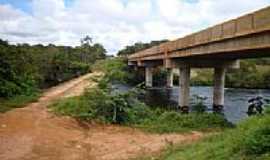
{"x":247,"y":34}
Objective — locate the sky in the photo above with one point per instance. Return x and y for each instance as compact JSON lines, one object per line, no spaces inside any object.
{"x":113,"y":23}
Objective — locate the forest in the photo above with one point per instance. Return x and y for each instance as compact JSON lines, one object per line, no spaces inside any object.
{"x":26,"y":69}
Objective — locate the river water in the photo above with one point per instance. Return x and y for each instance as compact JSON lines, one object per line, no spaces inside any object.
{"x":236,"y":100}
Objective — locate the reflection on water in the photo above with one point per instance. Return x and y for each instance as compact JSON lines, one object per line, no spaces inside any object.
{"x":235,"y":99}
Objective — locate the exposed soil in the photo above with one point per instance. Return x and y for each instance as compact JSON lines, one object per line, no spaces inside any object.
{"x":33,"y":133}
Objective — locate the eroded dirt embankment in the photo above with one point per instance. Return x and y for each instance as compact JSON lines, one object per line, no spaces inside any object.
{"x":33,"y":133}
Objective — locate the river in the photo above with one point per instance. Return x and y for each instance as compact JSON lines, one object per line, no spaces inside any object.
{"x":236,"y":100}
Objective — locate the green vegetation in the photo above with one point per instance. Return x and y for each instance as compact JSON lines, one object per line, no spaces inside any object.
{"x":116,"y":70}
{"x":25,"y":69}
{"x":98,"y":105}
{"x":17,"y":101}
{"x":123,"y":108}
{"x":138,"y":47}
{"x":202,"y":77}
{"x":104,"y":104}
{"x":250,"y":140}
{"x":252,"y":74}
{"x":199,"y":105}
{"x":172,"y":121}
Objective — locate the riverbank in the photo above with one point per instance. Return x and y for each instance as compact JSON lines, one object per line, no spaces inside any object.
{"x":248,"y":141}
{"x":236,"y":100}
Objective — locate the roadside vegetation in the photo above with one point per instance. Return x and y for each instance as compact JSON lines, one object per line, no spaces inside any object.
{"x":250,"y":140}
{"x":17,"y":101}
{"x":26,"y":69}
{"x":105,"y":104}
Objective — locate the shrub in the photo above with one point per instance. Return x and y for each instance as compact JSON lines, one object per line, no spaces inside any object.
{"x":199,"y":105}
{"x":138,"y":113}
{"x":101,"y":104}
{"x":255,"y":136}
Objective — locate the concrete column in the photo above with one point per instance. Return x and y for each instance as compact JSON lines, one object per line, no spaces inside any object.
{"x":184,"y":80}
{"x":170,"y":78}
{"x":148,"y":77}
{"x":219,"y":82}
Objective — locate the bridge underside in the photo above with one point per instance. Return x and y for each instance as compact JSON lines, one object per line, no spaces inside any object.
{"x":219,"y":47}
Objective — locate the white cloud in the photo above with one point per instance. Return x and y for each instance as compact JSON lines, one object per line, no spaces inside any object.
{"x":48,"y":8}
{"x":114,"y":23}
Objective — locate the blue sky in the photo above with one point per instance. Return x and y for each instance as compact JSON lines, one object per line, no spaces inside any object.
{"x":114,"y":23}
{"x":24,"y":5}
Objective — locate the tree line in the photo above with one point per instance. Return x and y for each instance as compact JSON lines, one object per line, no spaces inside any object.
{"x":25,"y":69}
{"x":138,"y":46}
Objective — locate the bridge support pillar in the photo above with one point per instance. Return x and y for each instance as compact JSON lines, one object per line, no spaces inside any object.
{"x":169,"y":78}
{"x":148,"y":76}
{"x":218,"y":95}
{"x":184,"y":80}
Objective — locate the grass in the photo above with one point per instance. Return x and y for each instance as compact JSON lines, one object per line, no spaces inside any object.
{"x":250,"y":140}
{"x":17,"y":102}
{"x":72,"y":106}
{"x":174,"y":122}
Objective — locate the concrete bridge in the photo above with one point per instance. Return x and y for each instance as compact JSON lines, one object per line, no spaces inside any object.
{"x":219,"y":47}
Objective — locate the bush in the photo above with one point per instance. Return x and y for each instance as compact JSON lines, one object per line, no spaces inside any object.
{"x":199,"y":105}
{"x":113,"y":69}
{"x":255,"y":138}
{"x":137,"y":114}
{"x":101,"y":104}
{"x":112,"y":109}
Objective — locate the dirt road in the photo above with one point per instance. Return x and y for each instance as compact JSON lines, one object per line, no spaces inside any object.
{"x":33,"y":133}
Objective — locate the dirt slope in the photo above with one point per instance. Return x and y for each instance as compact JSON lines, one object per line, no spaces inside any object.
{"x":33,"y":133}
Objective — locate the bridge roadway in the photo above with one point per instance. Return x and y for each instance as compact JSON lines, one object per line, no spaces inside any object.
{"x":219,"y":47}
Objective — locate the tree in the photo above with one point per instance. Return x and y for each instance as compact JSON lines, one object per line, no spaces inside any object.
{"x":138,"y":47}
{"x":86,"y":40}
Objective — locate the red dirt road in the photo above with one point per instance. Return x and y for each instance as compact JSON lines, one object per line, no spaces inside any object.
{"x":33,"y":133}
